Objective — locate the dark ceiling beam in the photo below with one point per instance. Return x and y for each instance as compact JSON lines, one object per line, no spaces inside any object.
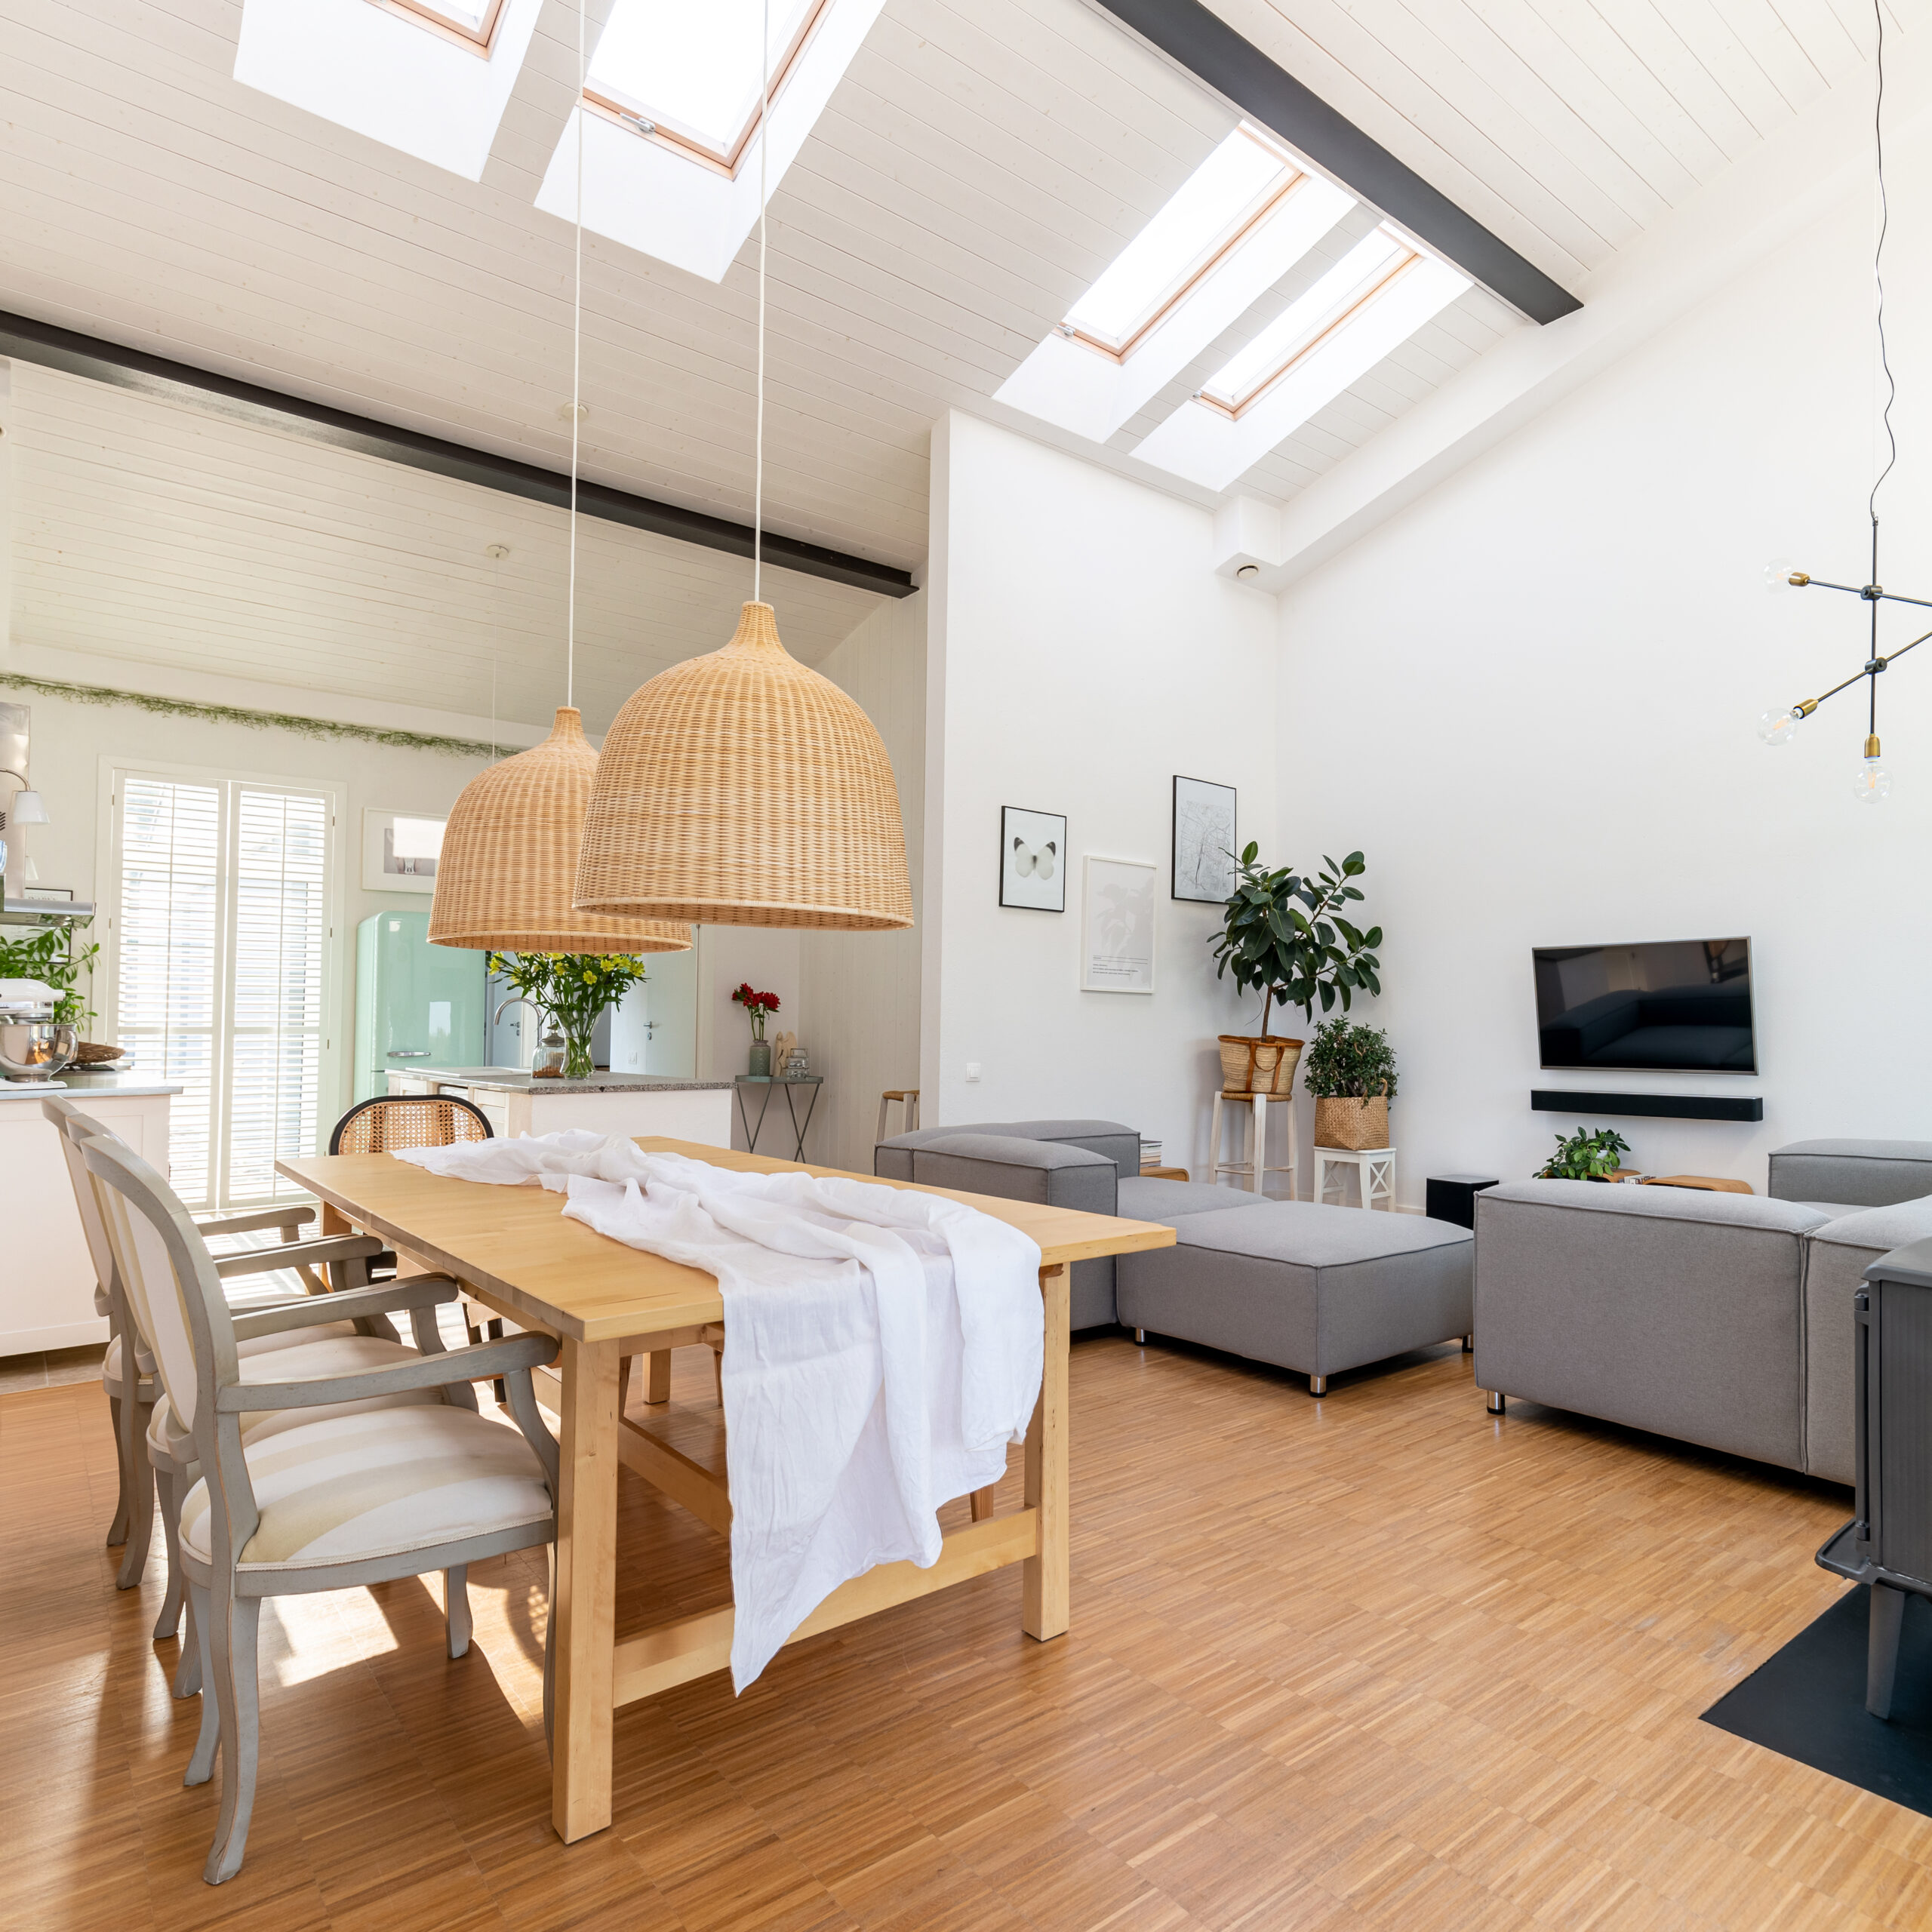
{"x":26,"y":340}
{"x":1203,"y":43}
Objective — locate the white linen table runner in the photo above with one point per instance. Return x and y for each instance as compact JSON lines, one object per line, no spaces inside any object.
{"x":882,"y":1347}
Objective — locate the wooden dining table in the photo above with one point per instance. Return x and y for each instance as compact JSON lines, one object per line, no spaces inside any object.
{"x":513,"y":1250}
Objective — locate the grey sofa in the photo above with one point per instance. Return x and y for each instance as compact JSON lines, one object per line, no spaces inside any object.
{"x":1305,"y":1287}
{"x":1720,"y":1319}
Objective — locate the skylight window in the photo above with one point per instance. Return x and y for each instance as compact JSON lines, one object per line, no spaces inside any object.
{"x":1366,"y":271}
{"x":1210,"y":214}
{"x":692,"y":76}
{"x":473,"y":25}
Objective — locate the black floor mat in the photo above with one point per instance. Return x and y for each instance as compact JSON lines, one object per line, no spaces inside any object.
{"x":1808,"y":1702}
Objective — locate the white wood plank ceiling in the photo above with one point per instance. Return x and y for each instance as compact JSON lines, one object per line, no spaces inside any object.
{"x":981,"y":162}
{"x":161,"y":534}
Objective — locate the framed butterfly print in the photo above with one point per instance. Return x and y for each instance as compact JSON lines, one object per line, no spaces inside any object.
{"x":1033,"y":859}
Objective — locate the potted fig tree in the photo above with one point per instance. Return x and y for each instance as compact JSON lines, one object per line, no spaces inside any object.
{"x":1283,"y":935}
{"x":1350,"y":1070}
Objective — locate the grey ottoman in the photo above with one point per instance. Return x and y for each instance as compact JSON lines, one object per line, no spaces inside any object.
{"x":1307,"y":1287}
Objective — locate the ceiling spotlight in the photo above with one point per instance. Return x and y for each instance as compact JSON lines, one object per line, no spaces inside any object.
{"x":1248,"y":570}
{"x":564,"y":412}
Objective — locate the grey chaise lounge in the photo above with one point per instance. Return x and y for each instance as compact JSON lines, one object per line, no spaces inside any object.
{"x":1721,"y":1319}
{"x":1305,"y":1287}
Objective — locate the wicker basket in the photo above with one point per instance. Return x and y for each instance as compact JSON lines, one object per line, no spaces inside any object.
{"x":1354,"y":1125}
{"x":1252,"y":1064}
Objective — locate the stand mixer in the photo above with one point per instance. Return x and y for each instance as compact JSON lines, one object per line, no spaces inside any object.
{"x":33,"y":1044}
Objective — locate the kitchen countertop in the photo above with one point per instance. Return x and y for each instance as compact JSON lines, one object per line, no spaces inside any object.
{"x":509,"y":1080}
{"x":74,"y":1083}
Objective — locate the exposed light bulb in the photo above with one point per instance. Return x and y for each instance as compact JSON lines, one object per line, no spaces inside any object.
{"x":1781,"y":575}
{"x":1775,"y":727}
{"x":1873,"y":784}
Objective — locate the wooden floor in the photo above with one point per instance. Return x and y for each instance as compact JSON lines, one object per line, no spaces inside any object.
{"x":1376,"y":1661}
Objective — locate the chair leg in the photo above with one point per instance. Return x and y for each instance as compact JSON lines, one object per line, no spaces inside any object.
{"x":982,"y":1503}
{"x":657,"y":1376}
{"x":717,"y":1371}
{"x":1881,"y":1648}
{"x":169,"y":1622}
{"x":456,"y":1608}
{"x":137,"y":1492}
{"x":233,"y":1652}
{"x":201,"y":1760}
{"x":117,"y":1530}
{"x":191,"y":1675}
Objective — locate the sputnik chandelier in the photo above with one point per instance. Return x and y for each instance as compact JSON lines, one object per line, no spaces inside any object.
{"x":1873,"y":784}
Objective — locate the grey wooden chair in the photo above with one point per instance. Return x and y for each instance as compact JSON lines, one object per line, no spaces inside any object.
{"x":347,"y":1494}
{"x":129,"y":1530}
{"x":150,"y":1439}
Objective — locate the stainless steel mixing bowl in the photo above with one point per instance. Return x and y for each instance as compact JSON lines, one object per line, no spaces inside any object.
{"x":36,"y":1049}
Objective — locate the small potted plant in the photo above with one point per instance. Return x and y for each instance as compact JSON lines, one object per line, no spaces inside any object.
{"x":1350,"y":1069}
{"x":1585,"y":1156}
{"x":1283,"y":935}
{"x":758,"y":1006}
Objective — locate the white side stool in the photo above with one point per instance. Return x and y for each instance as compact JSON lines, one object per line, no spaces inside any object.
{"x":1255,"y":1166}
{"x":908,"y":1098}
{"x":1375,"y":1171}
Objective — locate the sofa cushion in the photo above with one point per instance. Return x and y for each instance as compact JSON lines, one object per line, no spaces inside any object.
{"x":1871,"y":1174}
{"x":1305,"y":1286}
{"x":891,"y":1159}
{"x":1016,"y":1170}
{"x":1837,"y":1256}
{"x":1168,"y":1200}
{"x":1661,"y":1307}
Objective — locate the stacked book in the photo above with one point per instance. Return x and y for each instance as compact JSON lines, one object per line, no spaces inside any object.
{"x":1150,"y":1153}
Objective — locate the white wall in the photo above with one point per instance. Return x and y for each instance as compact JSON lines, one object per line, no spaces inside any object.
{"x":1530,"y":699}
{"x":1082,"y":653}
{"x":859,"y":991}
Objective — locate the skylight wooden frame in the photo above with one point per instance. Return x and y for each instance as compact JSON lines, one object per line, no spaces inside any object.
{"x":478,"y":40}
{"x":1302,"y":350}
{"x":725,"y":162}
{"x":1233,"y":238}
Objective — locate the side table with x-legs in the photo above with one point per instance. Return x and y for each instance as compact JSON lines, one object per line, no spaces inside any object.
{"x":790,"y":1082}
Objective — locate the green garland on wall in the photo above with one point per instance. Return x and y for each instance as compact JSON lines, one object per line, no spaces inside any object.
{"x":257,"y":721}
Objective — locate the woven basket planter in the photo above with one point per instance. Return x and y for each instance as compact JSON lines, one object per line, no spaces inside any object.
{"x":1354,"y":1125}
{"x":1253,"y":1063}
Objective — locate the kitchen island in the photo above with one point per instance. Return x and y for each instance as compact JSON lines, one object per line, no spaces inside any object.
{"x":46,"y":1284}
{"x":517,"y":1103}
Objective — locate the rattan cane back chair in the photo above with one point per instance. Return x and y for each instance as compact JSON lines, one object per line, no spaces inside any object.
{"x":392,"y":1121}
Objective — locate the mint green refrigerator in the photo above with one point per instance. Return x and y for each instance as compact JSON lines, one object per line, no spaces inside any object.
{"x":417,"y":1006}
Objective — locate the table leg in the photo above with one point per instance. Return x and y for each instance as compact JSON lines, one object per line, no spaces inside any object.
{"x":1257,"y":1145}
{"x":657,"y":1376}
{"x":586,"y":1605}
{"x":1045,"y":1609}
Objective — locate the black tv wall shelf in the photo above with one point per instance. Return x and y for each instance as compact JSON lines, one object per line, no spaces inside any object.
{"x":1656,"y":1106}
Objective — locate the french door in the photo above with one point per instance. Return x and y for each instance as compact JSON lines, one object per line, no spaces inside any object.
{"x":220,"y":898}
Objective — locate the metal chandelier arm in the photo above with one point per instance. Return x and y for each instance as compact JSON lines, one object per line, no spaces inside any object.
{"x":1875,"y":592}
{"x":1805,"y":706}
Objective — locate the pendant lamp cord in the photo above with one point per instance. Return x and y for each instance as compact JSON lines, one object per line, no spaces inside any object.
{"x":1878,"y":278}
{"x":763,"y":150}
{"x":577,"y":369}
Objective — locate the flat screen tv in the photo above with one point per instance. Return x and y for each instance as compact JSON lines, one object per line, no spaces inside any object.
{"x":1673,"y":1006}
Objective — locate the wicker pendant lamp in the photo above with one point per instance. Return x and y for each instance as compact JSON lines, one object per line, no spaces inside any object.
{"x":508,"y":859}
{"x":741,"y":788}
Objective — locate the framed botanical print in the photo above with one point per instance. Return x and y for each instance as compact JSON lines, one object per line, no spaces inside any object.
{"x":1033,"y":859}
{"x":1204,"y":843}
{"x":1117,"y":955}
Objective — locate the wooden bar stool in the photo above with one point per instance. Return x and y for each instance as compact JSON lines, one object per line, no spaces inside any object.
{"x":1255,"y":1166}
{"x":908,"y":1098}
